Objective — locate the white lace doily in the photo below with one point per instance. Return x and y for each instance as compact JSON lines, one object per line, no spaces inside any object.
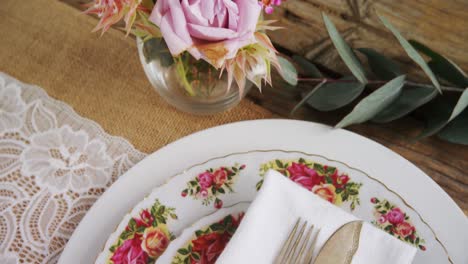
{"x":54,"y":165}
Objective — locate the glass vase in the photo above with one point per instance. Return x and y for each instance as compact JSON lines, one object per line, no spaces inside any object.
{"x":190,"y":85}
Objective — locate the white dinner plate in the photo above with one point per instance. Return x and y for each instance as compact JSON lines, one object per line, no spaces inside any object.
{"x":423,"y":199}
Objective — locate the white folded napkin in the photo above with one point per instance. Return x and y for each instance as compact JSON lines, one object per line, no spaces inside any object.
{"x":275,"y":210}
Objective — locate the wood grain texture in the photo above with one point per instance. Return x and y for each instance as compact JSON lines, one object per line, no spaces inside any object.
{"x":442,"y":24}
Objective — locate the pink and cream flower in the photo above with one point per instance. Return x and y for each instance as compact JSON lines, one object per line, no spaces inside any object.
{"x":326,"y":191}
{"x":155,"y":240}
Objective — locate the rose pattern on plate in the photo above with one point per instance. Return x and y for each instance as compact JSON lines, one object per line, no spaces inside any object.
{"x":394,"y":221}
{"x":325,"y":181}
{"x":212,"y":183}
{"x":145,"y":237}
{"x":208,"y":243}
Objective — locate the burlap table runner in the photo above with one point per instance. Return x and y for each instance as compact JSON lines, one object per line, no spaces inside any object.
{"x":49,"y":44}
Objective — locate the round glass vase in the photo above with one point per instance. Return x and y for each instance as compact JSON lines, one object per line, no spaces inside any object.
{"x":191,"y":86}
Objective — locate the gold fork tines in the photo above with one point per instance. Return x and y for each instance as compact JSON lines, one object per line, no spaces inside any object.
{"x":298,"y":248}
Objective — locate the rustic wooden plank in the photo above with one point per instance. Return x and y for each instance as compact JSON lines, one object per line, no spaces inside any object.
{"x":439,"y":23}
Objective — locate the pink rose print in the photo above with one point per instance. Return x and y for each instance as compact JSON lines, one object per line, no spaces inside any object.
{"x":382,"y":219}
{"x":404,"y":229}
{"x":395,"y":216}
{"x":209,"y":185}
{"x":305,"y":176}
{"x":326,"y":181}
{"x":203,"y":193}
{"x":130,"y":252}
{"x":145,"y":237}
{"x":394,"y":221}
{"x":205,"y":179}
{"x":220,"y":177}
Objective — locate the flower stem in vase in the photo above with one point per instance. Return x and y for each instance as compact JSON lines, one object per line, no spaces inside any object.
{"x":182,"y":72}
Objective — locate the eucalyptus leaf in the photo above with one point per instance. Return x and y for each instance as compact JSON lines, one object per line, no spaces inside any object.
{"x":456,"y":131}
{"x":310,"y":70}
{"x":156,"y":49}
{"x":332,"y":96}
{"x":288,"y":71}
{"x":306,"y":97}
{"x":411,"y":98}
{"x":438,"y":119}
{"x":345,"y":51}
{"x":380,"y":65}
{"x":374,"y":103}
{"x":448,"y":72}
{"x":442,"y":66}
{"x":412,"y":53}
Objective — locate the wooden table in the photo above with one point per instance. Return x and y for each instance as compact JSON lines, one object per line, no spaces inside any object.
{"x":446,"y":163}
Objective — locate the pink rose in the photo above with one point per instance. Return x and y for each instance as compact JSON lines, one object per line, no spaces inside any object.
{"x":339,"y":180}
{"x":213,"y":30}
{"x":205,"y":179}
{"x":203,"y":193}
{"x":395,"y":216}
{"x":382,"y":219}
{"x":404,"y":229}
{"x":146,"y":219}
{"x":130,"y":252}
{"x":303,"y":175}
{"x":220,"y":177}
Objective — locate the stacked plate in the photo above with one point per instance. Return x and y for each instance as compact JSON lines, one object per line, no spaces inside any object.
{"x":198,"y":188}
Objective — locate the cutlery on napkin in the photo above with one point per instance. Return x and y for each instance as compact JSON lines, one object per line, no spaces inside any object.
{"x":275,"y":210}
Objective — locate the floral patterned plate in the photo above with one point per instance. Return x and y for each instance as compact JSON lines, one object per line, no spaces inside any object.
{"x":386,"y":190}
{"x":145,"y":233}
{"x":205,"y":240}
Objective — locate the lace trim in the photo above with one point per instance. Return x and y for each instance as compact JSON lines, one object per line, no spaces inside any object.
{"x":54,"y":165}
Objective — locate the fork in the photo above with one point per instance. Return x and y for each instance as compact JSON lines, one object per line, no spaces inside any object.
{"x":298,"y":249}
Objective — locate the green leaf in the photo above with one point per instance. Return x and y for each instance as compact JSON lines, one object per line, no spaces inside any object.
{"x":319,"y":169}
{"x":442,"y":66}
{"x":380,"y":65}
{"x":411,"y":98}
{"x":374,"y":103}
{"x":309,"y":69}
{"x":457,"y":130}
{"x":288,"y":72}
{"x":217,"y":227}
{"x":279,"y":163}
{"x":345,"y":51}
{"x":307,"y":97}
{"x":438,"y":117}
{"x":161,"y":210}
{"x":183,"y":251}
{"x":449,"y":73}
{"x":195,"y":255}
{"x":412,"y":53}
{"x":332,"y":96}
{"x":227,"y":221}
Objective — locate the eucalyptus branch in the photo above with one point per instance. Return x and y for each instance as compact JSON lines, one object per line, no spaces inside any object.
{"x":377,"y":82}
